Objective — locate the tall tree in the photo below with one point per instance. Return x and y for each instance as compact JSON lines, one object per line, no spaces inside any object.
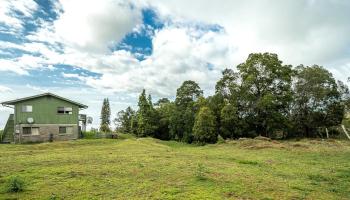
{"x":162,"y":101}
{"x":317,"y":101}
{"x":133,"y":124}
{"x":183,"y":118}
{"x":228,"y":86}
{"x":266,"y":92}
{"x":165,"y":110}
{"x":123,"y":120}
{"x":204,"y":129}
{"x":146,"y":125}
{"x":227,"y":96}
{"x":187,"y":93}
{"x":105,"y":116}
{"x":230,"y":122}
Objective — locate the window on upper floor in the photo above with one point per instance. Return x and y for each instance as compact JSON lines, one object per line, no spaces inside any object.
{"x":65,"y":110}
{"x":27,"y":108}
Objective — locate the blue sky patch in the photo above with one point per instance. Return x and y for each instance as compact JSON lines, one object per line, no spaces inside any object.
{"x":140,"y":43}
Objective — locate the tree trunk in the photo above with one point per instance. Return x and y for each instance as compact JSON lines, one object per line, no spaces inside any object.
{"x":345,"y":131}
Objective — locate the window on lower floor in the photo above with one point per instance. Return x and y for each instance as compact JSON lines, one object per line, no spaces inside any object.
{"x":27,"y":130}
{"x":35,"y":131}
{"x":65,"y":130}
{"x":31,"y":131}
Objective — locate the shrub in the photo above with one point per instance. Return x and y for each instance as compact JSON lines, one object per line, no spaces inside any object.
{"x":204,"y":129}
{"x":15,"y":184}
{"x":89,"y":134}
{"x":220,"y":139}
{"x":94,"y":134}
{"x":53,"y":197}
{"x":201,"y":172}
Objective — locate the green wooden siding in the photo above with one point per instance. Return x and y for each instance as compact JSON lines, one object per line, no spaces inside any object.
{"x":45,"y":111}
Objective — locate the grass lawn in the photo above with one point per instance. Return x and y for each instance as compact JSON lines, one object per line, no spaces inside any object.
{"x":151,"y":169}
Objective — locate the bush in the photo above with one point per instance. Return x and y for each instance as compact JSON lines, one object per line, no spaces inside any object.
{"x":111,"y":136}
{"x":89,"y":135}
{"x":53,"y":197}
{"x":15,"y":184}
{"x":124,"y":136}
{"x":220,"y":139}
{"x":93,"y":135}
{"x":201,"y":172}
{"x":204,"y":129}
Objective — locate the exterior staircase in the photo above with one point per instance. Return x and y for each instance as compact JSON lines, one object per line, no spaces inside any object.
{"x":9,"y":129}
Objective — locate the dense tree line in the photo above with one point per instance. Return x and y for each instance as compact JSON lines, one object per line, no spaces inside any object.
{"x":263,"y":97}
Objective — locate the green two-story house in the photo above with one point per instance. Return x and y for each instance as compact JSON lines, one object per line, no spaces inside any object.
{"x":44,"y":117}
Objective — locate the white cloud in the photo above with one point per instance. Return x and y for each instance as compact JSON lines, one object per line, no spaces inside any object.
{"x":36,"y":88}
{"x":5,"y":89}
{"x":179,"y":54}
{"x":300,"y":31}
{"x":94,"y":25}
{"x":21,"y":65}
{"x":9,"y":16}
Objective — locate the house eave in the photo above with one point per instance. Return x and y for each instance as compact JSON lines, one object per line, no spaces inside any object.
{"x":13,"y":102}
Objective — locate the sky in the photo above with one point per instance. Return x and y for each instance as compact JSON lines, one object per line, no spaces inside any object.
{"x":90,"y":50}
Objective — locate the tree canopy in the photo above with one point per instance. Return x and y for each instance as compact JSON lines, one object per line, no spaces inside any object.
{"x":262,"y":97}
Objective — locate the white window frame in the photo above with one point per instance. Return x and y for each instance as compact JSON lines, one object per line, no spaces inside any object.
{"x":36,"y":132}
{"x":27,"y":108}
{"x":64,"y":110}
{"x":69,"y":130}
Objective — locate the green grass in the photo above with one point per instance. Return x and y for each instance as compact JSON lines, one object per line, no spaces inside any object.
{"x":146,"y":168}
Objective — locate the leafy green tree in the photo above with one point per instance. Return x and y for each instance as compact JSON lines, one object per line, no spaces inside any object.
{"x":228,"y":86}
{"x":165,"y":110}
{"x":227,"y":95}
{"x":230,"y":122}
{"x":123,"y":120}
{"x":317,"y":101}
{"x":181,"y":123}
{"x":162,"y":101}
{"x":266,"y":93}
{"x":204,"y":129}
{"x":145,"y":119}
{"x":187,"y":93}
{"x":133,"y":124}
{"x":105,"y":116}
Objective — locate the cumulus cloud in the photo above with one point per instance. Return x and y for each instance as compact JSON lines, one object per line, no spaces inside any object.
{"x":179,"y":54}
{"x":21,"y":65}
{"x":93,"y":25}
{"x":300,"y":31}
{"x":308,"y":32}
{"x":5,"y":89}
{"x":12,"y":12}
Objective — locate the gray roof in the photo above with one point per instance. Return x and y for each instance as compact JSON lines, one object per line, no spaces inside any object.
{"x":42,"y":95}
